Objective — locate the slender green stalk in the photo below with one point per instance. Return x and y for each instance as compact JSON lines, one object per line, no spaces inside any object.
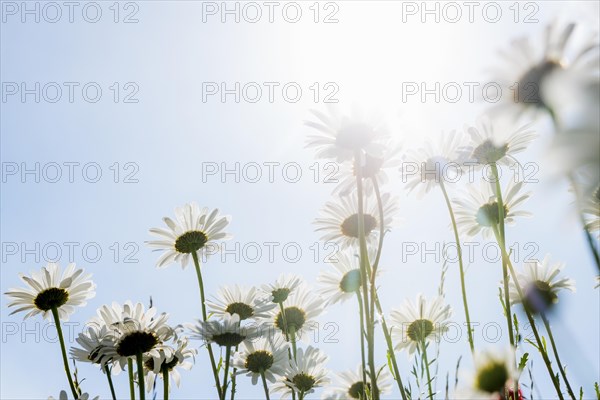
{"x":264,"y":381}
{"x":139,"y":358}
{"x":63,"y":351}
{"x":555,"y":350}
{"x":293,"y":340}
{"x":130,"y":372}
{"x":362,"y":342}
{"x":226,"y":371}
{"x":233,"y":378}
{"x":426,"y":361}
{"x":282,"y":309}
{"x":213,"y":364}
{"x":165,"y":374}
{"x":110,"y":382}
{"x":460,"y":265}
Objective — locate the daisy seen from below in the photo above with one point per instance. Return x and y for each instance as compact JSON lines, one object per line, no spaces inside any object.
{"x":247,"y":303}
{"x":282,"y":287}
{"x":591,"y":210}
{"x":194,"y":232}
{"x":342,"y":137}
{"x":91,"y":342}
{"x":63,"y":396}
{"x":339,"y":221}
{"x":304,"y":374}
{"x":350,"y":385}
{"x":477,"y":209}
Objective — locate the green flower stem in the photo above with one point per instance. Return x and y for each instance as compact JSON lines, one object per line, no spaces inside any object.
{"x":139,"y":358}
{"x":555,"y":351}
{"x":233,"y":379}
{"x":293,"y":340}
{"x":110,"y":382}
{"x":213,"y":364}
{"x":226,"y":371}
{"x":362,"y":341}
{"x":264,"y":381}
{"x":426,"y":361}
{"x":130,"y":372}
{"x":460,"y":265}
{"x":165,"y":373}
{"x":282,"y":308}
{"x":74,"y":390}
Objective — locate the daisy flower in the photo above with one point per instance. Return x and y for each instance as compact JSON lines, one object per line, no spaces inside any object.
{"x":341,"y":137}
{"x":63,"y":396}
{"x":591,"y":210}
{"x":48,"y":289}
{"x":339,"y":222}
{"x":92,"y":341}
{"x":477,"y":210}
{"x":540,"y":285}
{"x":495,"y":143}
{"x":194,"y":230}
{"x":171,"y":356}
{"x":282,"y":287}
{"x":423,"y":321}
{"x":225,"y":332}
{"x":435,"y":161}
{"x":351,"y":385}
{"x":244,"y":302}
{"x":266,"y":355}
{"x":304,"y":374}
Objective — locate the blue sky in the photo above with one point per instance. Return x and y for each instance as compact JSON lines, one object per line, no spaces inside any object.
{"x":162,"y":142}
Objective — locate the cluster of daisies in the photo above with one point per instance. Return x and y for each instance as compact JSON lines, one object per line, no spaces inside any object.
{"x":258,"y":332}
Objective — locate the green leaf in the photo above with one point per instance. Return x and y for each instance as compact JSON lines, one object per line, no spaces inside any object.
{"x":523,"y":362}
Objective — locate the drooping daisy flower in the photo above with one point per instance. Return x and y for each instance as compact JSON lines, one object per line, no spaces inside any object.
{"x":92,"y":341}
{"x":245,"y":302}
{"x":225,"y":332}
{"x":341,"y":137}
{"x":495,"y":372}
{"x":540,"y":285}
{"x":303,"y":375}
{"x":193,"y":230}
{"x":494,"y":142}
{"x":83,"y":396}
{"x":477,"y":210}
{"x":133,"y":330}
{"x":351,"y":386}
{"x":340,"y":219}
{"x":266,"y":355}
{"x":48,"y":289}
{"x":437,"y":161}
{"x":282,"y":287}
{"x":423,"y":321}
{"x":170,"y":356}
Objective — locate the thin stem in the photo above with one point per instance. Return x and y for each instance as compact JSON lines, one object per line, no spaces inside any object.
{"x":460,"y":265}
{"x":282,"y":309}
{"x":165,"y":374}
{"x":424,"y":355}
{"x":110,"y":382}
{"x":588,"y":237}
{"x":555,"y":351}
{"x":130,"y":372}
{"x":139,"y":358}
{"x":264,"y":381}
{"x":293,"y":340}
{"x":64,"y":352}
{"x":233,"y":379}
{"x":362,"y":342}
{"x":213,"y":364}
{"x":226,"y":371}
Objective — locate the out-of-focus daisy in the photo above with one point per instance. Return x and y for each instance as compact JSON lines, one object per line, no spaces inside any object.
{"x":531,"y":67}
{"x":83,"y":396}
{"x":435,"y":161}
{"x":301,"y":308}
{"x":339,"y":222}
{"x":266,"y":355}
{"x":341,"y":137}
{"x":477,"y":210}
{"x":91,"y":342}
{"x":414,"y":323}
{"x":540,"y":285}
{"x":494,"y":142}
{"x":493,"y":378}
{"x":282,"y":287}
{"x":591,"y":211}
{"x":225,"y":332}
{"x":350,"y":385}
{"x":193,"y":230}
{"x":245,"y":302}
{"x":170,"y":356}
{"x":133,"y":330}
{"x":303,"y":375}
{"x":49,"y":289}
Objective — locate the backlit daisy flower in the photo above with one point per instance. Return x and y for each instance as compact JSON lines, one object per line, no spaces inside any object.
{"x":193,"y":230}
{"x":49,"y":289}
{"x":423,"y":321}
{"x":477,"y":210}
{"x":339,"y":222}
{"x":436,"y":161}
{"x":83,"y":396}
{"x":495,"y":372}
{"x":91,"y":342}
{"x":494,"y":142}
{"x":540,"y":284}
{"x":531,"y":67}
{"x":341,"y":137}
{"x":591,"y":211}
{"x":303,"y":375}
{"x":245,"y":302}
{"x":282,"y":287}
{"x":225,"y":332}
{"x":170,"y":356}
{"x":351,"y":386}
{"x":266,"y":355}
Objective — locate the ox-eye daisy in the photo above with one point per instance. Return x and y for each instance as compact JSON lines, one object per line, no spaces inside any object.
{"x":225,"y":332}
{"x":304,"y":374}
{"x":167,"y":359}
{"x":282,"y":287}
{"x":351,"y":385}
{"x":266,"y":356}
{"x":245,"y":302}
{"x":342,"y":281}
